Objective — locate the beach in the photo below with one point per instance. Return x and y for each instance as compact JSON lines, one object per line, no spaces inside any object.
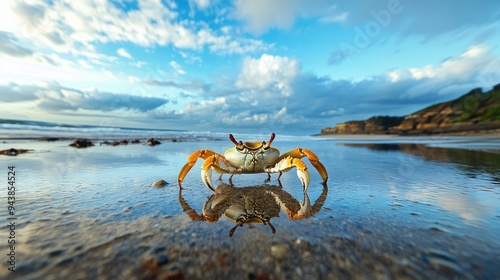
{"x":393,"y":208}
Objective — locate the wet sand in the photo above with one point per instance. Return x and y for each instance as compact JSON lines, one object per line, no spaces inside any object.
{"x":392,"y":214}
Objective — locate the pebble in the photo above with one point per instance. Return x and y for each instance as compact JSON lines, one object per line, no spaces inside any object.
{"x":159,"y":184}
{"x":158,"y":249}
{"x":303,"y":243}
{"x":82,"y":143}
{"x":162,"y":260}
{"x":56,"y":253}
{"x":13,"y":152}
{"x":153,"y":142}
{"x":279,"y":251}
{"x":172,"y":275}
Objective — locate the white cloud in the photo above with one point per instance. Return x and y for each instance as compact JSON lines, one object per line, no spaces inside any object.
{"x":133,"y":79}
{"x":178,"y":69}
{"x":200,"y":4}
{"x":477,"y":58}
{"x":472,"y":67}
{"x":122,"y":52}
{"x":52,"y":97}
{"x":335,"y":18}
{"x":261,"y":15}
{"x":46,"y":67}
{"x":109,"y":74}
{"x":425,"y":72}
{"x":271,"y":73}
{"x":74,"y":26}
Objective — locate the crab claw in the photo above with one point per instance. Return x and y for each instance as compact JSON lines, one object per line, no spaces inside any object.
{"x":305,"y":208}
{"x":304,"y":177}
{"x":206,"y":176}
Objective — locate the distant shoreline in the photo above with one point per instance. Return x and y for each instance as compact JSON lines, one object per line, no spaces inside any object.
{"x":390,"y":135}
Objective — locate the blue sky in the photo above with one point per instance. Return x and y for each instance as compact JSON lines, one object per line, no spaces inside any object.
{"x":284,"y":66}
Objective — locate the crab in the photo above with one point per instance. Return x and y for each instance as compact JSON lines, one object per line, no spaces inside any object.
{"x":253,"y":157}
{"x":253,"y":205}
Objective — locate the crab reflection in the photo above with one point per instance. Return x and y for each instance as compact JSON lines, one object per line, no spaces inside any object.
{"x":253,"y":204}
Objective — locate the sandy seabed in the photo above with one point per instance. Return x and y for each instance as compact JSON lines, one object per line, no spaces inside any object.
{"x":393,"y":209}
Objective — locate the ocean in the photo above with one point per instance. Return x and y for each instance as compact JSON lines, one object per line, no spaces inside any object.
{"x":19,"y":129}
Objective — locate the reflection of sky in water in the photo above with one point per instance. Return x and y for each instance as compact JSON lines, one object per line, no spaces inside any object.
{"x":414,"y":189}
{"x":457,"y":189}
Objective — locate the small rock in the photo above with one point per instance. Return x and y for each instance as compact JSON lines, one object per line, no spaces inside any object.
{"x":82,"y":143}
{"x":279,"y":251}
{"x":159,"y":184}
{"x":158,"y":249}
{"x":153,"y":142}
{"x":172,"y":275}
{"x":56,"y":253}
{"x":162,"y":260}
{"x":13,"y":152}
{"x":303,"y":243}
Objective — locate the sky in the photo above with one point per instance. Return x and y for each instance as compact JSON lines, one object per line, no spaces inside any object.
{"x":260,"y":66}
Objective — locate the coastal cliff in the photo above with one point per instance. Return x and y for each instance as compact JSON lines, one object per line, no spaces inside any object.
{"x":476,"y":111}
{"x":374,"y":125}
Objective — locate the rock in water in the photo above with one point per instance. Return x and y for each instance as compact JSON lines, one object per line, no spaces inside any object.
{"x":82,"y":143}
{"x":159,"y":184}
{"x":13,"y":152}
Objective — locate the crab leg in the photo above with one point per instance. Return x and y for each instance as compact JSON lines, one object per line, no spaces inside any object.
{"x":312,"y":157}
{"x":285,"y":164}
{"x":296,"y":210}
{"x":191,"y":161}
{"x":188,"y":209}
{"x":220,"y":165}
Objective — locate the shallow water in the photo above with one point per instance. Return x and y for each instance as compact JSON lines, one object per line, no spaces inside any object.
{"x":430,"y":205}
